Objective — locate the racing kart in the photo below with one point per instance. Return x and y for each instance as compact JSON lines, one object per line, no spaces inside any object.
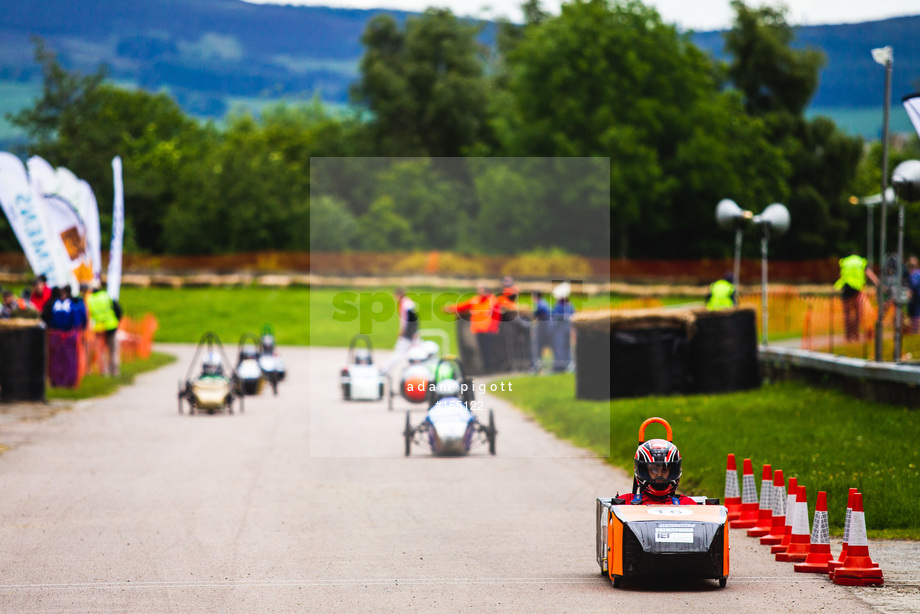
{"x":360,"y":379}
{"x":423,"y":357}
{"x":212,"y":389}
{"x":451,"y":426}
{"x":273,"y":367}
{"x":248,"y":370}
{"x":655,"y":541}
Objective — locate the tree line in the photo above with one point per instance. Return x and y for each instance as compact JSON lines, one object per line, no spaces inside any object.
{"x":453,"y":145}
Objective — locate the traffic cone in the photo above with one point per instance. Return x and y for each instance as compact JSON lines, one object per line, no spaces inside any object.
{"x":732,"y":493}
{"x":858,"y":569}
{"x":749,"y":507}
{"x":787,"y":521}
{"x":765,"y":512}
{"x":778,"y":519}
{"x":800,"y":536}
{"x":819,"y":552}
{"x":832,"y":565}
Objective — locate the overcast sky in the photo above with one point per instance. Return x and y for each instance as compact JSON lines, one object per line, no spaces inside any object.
{"x":688,"y":14}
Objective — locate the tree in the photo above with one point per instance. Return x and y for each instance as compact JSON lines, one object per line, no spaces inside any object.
{"x":424,"y":85}
{"x":612,"y":80}
{"x":776,"y":83}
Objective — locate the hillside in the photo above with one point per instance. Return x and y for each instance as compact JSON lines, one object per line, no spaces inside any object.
{"x":213,"y":54}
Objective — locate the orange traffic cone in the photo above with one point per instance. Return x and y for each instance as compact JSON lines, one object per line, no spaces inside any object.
{"x":858,"y":569}
{"x":832,"y":565}
{"x":765,"y":513}
{"x":749,"y":508}
{"x":800,"y":536}
{"x":787,"y":521}
{"x":732,"y":493}
{"x":778,"y":519}
{"x":819,"y":552}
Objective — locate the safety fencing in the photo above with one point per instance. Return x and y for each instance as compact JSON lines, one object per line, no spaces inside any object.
{"x":134,"y":337}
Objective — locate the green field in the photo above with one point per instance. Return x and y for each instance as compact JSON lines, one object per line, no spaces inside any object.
{"x":300,"y":316}
{"x":828,"y":440}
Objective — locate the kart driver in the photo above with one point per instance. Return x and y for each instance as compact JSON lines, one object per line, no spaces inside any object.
{"x":657,"y":474}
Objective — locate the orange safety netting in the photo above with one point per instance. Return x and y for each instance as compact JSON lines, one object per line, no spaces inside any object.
{"x":135,"y":339}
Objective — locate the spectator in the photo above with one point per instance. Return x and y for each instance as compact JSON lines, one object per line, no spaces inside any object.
{"x":721,"y":293}
{"x":853,"y":274}
{"x":561,"y":315}
{"x":47,"y":310}
{"x":913,"y":303}
{"x":104,"y":315}
{"x":16,"y":307}
{"x":407,"y":311}
{"x":41,"y":293}
{"x":484,"y":313}
{"x":542,"y":335}
{"x":63,"y":339}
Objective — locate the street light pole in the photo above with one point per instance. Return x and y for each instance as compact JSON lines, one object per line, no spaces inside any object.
{"x":884,"y":56}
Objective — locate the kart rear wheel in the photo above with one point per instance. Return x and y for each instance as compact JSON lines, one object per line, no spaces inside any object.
{"x":274,"y":381}
{"x":192,"y":405}
{"x":408,"y":434}
{"x":491,"y":433}
{"x":616,"y":581}
{"x":228,"y":404}
{"x":723,"y":581}
{"x":180,"y":395}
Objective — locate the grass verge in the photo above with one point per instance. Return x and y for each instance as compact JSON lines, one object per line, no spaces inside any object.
{"x":101,"y":385}
{"x":828,"y":440}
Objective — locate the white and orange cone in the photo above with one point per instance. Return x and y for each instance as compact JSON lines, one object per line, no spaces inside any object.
{"x":787,"y":524}
{"x":778,"y":519}
{"x":749,"y":507}
{"x":765,"y":512}
{"x":819,"y":552}
{"x":858,"y":569}
{"x":800,"y":536}
{"x":732,"y":492}
{"x":832,"y":565}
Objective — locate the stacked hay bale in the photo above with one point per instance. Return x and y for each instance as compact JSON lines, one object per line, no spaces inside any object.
{"x":23,"y":360}
{"x":630,"y":353}
{"x":723,"y":355}
{"x":633,"y":353}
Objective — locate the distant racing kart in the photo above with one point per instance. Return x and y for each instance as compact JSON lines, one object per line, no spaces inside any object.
{"x":273,"y":367}
{"x":451,"y":427}
{"x":361,"y":379}
{"x":213,"y":389}
{"x":423,"y":357}
{"x":662,"y":541}
{"x":248,"y":369}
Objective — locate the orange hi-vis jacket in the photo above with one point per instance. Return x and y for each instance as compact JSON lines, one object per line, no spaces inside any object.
{"x":485,"y":311}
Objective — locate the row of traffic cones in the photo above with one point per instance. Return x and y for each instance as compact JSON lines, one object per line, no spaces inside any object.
{"x":780,"y":520}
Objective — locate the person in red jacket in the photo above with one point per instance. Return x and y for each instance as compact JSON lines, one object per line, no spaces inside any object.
{"x":484,"y":313}
{"x":657,"y":474}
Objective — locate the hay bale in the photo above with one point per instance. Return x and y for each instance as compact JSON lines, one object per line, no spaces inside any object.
{"x":22,"y":360}
{"x":635,"y":319}
{"x":723,"y":354}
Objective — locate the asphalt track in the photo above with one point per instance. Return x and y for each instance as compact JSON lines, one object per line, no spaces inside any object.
{"x":306,"y":503}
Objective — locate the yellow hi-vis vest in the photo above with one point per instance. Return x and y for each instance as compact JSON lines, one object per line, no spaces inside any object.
{"x":852,"y":272}
{"x":720,"y":295}
{"x":101,"y":311}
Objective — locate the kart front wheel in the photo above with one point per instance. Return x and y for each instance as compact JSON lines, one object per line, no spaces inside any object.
{"x":408,"y":434}
{"x":491,"y":433}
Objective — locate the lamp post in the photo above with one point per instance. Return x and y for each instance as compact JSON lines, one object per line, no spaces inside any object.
{"x":885,"y":57}
{"x":730,"y":215}
{"x":906,"y":183}
{"x":773,"y":221}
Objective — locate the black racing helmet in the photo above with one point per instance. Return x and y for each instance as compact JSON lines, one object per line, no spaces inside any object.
{"x":658,"y":467}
